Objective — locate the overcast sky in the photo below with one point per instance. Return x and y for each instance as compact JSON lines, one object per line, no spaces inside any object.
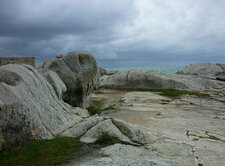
{"x":119,"y":33}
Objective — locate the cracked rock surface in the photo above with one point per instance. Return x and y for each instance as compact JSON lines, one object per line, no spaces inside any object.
{"x":159,"y":131}
{"x":191,"y":128}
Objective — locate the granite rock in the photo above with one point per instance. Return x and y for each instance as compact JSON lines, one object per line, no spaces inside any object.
{"x":147,"y":79}
{"x":79,"y":72}
{"x":30,"y":108}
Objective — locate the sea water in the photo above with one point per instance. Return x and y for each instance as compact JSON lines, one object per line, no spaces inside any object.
{"x":163,"y":69}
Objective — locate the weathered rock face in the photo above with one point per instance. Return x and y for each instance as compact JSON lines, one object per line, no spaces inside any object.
{"x":102,"y":71}
{"x":159,"y":154}
{"x":30,"y":108}
{"x":156,"y":80}
{"x":79,"y":72}
{"x":214,"y":71}
{"x":92,"y":128}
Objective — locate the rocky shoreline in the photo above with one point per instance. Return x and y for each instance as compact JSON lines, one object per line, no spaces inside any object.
{"x":52,"y":100}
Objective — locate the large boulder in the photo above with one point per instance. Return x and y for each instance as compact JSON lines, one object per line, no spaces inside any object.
{"x":78,"y":71}
{"x":148,"y":79}
{"x":30,"y":107}
{"x":213,"y":71}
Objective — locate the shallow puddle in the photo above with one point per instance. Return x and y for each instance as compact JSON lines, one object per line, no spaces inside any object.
{"x":206,"y":111}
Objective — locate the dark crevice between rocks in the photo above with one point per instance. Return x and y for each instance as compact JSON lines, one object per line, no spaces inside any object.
{"x":106,"y":140}
{"x":193,"y":151}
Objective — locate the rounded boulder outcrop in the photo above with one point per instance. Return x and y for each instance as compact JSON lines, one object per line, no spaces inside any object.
{"x":206,"y":70}
{"x":79,"y":72}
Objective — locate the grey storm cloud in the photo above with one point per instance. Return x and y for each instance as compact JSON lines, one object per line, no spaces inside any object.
{"x":117,"y":32}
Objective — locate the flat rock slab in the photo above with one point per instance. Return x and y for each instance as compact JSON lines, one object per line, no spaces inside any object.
{"x":199,"y":122}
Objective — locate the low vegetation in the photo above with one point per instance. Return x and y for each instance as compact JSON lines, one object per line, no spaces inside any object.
{"x":177,"y":93}
{"x":105,"y":139}
{"x":43,"y":152}
{"x":51,"y":152}
{"x":167,"y":92}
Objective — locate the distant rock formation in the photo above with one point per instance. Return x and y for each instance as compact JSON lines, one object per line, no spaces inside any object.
{"x":207,"y":70}
{"x":148,"y":79}
{"x":78,"y":71}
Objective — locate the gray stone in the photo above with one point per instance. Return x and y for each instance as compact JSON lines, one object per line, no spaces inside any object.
{"x":79,"y":72}
{"x":201,"y":69}
{"x":30,"y":108}
{"x":120,"y":161}
{"x":104,"y":127}
{"x":221,"y":76}
{"x":135,"y":133}
{"x":82,"y":127}
{"x":56,"y":82}
{"x":147,"y":79}
{"x":102,"y":71}
{"x":205,"y":70}
{"x":181,"y":152}
{"x":196,"y":121}
{"x":168,"y":154}
{"x":126,"y":151}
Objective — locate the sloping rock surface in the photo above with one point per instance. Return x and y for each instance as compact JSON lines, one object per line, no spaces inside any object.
{"x":78,"y":71}
{"x":156,"y":80}
{"x":30,"y":107}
